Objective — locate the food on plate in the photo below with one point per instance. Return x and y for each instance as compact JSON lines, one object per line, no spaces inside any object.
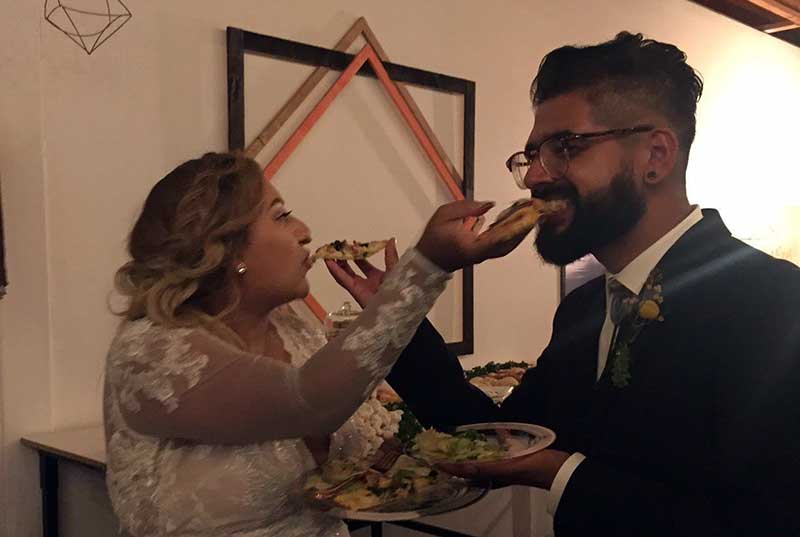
{"x":349,"y":250}
{"x":343,"y":485}
{"x":387,"y":395}
{"x":409,"y":426}
{"x":339,"y":470}
{"x":504,"y":377}
{"x":497,"y":380}
{"x":499,"y":369}
{"x":482,"y":382}
{"x":510,"y":372}
{"x":357,"y":498}
{"x":435,"y":446}
{"x":521,"y":217}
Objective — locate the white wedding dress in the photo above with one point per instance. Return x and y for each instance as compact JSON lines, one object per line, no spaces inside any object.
{"x":185,"y":379}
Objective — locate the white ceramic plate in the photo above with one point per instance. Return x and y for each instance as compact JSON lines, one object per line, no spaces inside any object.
{"x":522,"y":438}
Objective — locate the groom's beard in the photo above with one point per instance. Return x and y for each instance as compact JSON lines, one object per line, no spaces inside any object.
{"x":598,"y":219}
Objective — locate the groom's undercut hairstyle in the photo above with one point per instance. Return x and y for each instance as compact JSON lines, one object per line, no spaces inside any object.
{"x":623,"y":78}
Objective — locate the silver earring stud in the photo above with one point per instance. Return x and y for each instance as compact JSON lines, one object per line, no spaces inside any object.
{"x":241,"y":268}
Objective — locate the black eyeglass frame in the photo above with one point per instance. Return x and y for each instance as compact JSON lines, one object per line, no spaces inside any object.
{"x":564,"y":139}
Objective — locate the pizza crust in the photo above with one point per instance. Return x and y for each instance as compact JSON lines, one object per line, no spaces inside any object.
{"x":519,"y":219}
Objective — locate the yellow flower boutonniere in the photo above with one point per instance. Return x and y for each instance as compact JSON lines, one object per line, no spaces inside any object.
{"x":649,"y":310}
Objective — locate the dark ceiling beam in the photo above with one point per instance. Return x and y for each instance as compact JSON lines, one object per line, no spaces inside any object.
{"x":788,"y":9}
{"x":778,"y":27}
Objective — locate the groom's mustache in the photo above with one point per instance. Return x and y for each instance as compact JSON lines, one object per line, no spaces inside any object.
{"x":557,"y":190}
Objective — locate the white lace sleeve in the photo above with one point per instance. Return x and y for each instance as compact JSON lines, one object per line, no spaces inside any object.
{"x":371,"y":423}
{"x":187,"y":384}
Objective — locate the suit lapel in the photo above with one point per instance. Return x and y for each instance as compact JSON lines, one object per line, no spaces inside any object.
{"x":575,"y":343}
{"x":689,"y":260}
{"x":583,"y":334}
{"x":693,"y":256}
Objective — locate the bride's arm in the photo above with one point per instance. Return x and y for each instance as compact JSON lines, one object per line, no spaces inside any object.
{"x":202,"y":389}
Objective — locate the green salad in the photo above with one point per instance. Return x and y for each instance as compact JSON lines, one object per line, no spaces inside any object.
{"x":432,"y":445}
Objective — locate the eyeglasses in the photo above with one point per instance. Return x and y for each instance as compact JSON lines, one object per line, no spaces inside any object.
{"x":555,"y":152}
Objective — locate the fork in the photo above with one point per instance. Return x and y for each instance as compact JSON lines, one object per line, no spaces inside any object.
{"x":335,"y":490}
{"x":383,"y":460}
{"x":386,"y":456}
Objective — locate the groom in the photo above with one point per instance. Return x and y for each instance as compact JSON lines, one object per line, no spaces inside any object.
{"x":673,"y":382}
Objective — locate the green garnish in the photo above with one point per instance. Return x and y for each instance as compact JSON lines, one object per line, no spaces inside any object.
{"x":471,"y":435}
{"x":493,"y":367}
{"x":409,"y":426}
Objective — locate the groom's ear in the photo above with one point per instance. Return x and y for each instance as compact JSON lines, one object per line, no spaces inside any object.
{"x":662,"y":153}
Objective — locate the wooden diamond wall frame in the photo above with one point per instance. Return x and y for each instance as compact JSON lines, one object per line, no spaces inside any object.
{"x":88,"y":23}
{"x":371,"y":62}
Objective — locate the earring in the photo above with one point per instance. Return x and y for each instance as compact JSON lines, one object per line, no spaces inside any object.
{"x":241,"y":268}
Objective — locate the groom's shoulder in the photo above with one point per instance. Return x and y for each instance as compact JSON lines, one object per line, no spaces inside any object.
{"x":589,"y":290}
{"x":579,"y":299}
{"x":737,"y":273}
{"x":742,"y":261}
{"x":759,"y":272}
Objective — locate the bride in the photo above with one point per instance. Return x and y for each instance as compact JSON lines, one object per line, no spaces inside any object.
{"x":218,"y":397}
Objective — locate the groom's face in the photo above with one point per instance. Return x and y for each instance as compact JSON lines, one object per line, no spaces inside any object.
{"x":600,"y":186}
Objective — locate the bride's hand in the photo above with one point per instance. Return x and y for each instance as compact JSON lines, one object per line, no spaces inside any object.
{"x":363,"y":288}
{"x":450,"y":241}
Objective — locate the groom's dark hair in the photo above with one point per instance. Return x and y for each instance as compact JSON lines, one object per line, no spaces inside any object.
{"x":621,"y":76}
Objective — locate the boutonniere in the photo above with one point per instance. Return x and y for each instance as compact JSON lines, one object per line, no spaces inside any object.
{"x":645,"y":309}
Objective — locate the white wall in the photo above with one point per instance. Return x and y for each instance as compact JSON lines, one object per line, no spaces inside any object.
{"x":25,"y":317}
{"x":82,"y":139}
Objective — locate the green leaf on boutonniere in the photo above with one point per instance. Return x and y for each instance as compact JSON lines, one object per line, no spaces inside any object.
{"x":648,"y":308}
{"x":621,"y":365}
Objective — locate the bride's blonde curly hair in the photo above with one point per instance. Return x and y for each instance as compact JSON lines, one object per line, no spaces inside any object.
{"x":187,"y":238}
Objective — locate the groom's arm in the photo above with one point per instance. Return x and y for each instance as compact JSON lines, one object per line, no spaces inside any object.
{"x":431,"y":381}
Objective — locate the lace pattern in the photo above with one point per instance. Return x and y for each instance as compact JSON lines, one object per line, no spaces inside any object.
{"x":371,"y":424}
{"x":135,"y":372}
{"x":394,"y":327}
{"x":161,"y":486}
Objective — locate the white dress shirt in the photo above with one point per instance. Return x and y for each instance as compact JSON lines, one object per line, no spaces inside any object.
{"x":633,"y":276}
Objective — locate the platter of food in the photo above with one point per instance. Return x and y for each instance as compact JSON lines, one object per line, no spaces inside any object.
{"x":403,"y":483}
{"x":408,"y":489}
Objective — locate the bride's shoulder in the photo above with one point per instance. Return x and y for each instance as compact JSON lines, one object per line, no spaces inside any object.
{"x":146,"y":329}
{"x":136,"y":336}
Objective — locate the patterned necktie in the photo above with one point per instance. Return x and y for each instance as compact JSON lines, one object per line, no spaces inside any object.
{"x":622,"y":301}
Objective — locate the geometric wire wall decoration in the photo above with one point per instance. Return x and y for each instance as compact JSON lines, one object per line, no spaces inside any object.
{"x":89,"y":23}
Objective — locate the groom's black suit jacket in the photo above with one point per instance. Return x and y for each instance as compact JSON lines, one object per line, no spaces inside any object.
{"x":705,"y":439}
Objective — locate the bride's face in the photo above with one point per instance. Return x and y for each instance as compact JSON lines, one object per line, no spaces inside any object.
{"x":275,"y":255}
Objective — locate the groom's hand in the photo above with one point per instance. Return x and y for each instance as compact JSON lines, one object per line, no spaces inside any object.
{"x":534,"y":470}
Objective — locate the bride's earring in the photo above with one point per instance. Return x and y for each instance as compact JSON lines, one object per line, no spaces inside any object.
{"x":241,"y":268}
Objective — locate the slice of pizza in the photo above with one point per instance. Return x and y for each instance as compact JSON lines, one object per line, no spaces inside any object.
{"x":349,"y":250}
{"x":522,"y":217}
